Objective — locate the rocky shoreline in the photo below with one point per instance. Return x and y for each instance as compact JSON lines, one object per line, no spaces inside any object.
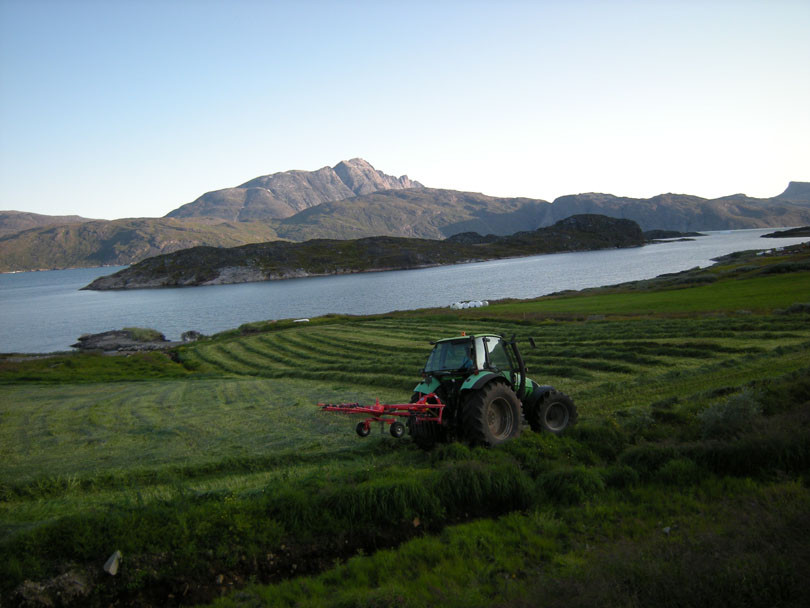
{"x":200,"y":266}
{"x":130,"y":340}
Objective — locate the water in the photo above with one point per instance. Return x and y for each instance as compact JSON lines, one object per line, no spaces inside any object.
{"x":45,"y":311}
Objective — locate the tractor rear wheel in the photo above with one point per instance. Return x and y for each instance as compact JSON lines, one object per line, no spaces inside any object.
{"x":491,"y":415}
{"x":554,"y":413}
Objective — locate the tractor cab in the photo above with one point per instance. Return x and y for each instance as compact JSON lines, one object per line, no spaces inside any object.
{"x":472,"y":356}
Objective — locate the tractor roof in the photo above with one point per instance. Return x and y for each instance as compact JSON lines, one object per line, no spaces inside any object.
{"x":467,"y":337}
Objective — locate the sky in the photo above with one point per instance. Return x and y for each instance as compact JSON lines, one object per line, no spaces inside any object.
{"x":131,"y":108}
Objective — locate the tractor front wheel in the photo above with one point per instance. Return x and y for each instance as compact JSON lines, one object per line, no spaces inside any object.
{"x":553,"y":414}
{"x":491,"y":415}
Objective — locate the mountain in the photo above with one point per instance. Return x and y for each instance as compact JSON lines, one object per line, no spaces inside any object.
{"x":280,"y":260}
{"x":354,"y":200}
{"x":119,"y":242}
{"x":284,"y":194}
{"x":796,"y":192}
{"x":421,"y":212}
{"x":684,"y":212}
{"x":15,"y":221}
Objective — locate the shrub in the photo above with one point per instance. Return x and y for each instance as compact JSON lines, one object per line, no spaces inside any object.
{"x":680,"y":471}
{"x":798,"y":308}
{"x":144,"y":334}
{"x":451,"y":451}
{"x":605,"y":439}
{"x":620,"y":476}
{"x":635,"y":422}
{"x":571,"y":485}
{"x":730,"y":418}
{"x":751,"y":456}
{"x":786,"y":393}
{"x":647,"y":459}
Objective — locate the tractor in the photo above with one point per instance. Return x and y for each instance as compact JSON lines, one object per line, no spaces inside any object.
{"x":475,"y":389}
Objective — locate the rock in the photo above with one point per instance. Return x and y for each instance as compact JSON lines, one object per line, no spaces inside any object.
{"x":190,"y":336}
{"x":64,"y":590}
{"x":112,"y":564}
{"x":123,"y":340}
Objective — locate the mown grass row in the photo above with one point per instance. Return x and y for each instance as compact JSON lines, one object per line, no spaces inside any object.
{"x":578,"y":357}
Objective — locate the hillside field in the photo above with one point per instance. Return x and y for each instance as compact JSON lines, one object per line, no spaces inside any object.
{"x":212,"y":471}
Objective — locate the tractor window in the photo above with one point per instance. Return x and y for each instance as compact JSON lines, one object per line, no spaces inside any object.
{"x":498,"y":357}
{"x":450,"y":356}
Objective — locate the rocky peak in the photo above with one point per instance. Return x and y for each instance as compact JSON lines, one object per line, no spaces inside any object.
{"x":361,"y":178}
{"x":283,"y":194}
{"x":796,"y":192}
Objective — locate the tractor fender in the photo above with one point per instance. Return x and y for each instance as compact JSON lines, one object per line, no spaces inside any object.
{"x":427,"y":386}
{"x":478,"y":380}
{"x":535,"y":394}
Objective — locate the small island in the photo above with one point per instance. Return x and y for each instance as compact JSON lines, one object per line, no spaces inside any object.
{"x":282,"y":260}
{"x":790,"y":233}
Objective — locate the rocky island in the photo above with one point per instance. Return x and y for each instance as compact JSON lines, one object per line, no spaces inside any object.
{"x":790,"y":233}
{"x":281,"y":260}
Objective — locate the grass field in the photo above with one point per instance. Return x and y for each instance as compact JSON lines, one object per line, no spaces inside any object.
{"x":212,"y":469}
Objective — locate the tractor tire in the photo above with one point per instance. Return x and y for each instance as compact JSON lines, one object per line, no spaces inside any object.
{"x":491,"y":415}
{"x":425,"y":434}
{"x":554,"y":413}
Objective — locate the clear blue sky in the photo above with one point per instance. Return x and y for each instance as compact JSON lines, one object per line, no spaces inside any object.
{"x":133,"y":107}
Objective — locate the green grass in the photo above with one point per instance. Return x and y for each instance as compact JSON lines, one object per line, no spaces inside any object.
{"x":214,"y":467}
{"x":78,"y":368}
{"x":753,"y":294}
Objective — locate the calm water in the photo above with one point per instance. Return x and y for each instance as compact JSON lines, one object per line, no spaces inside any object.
{"x":45,"y":311}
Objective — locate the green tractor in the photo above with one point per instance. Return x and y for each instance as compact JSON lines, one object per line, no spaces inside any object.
{"x":473,"y":389}
{"x":482,"y":382}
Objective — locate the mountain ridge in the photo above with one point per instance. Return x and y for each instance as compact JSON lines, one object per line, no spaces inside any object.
{"x":283,"y":194}
{"x":360,"y":201}
{"x":12,"y":221}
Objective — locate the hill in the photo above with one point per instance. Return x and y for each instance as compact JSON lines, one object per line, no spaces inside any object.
{"x":119,"y":242}
{"x":16,"y":221}
{"x":429,"y":213}
{"x":685,"y":213}
{"x":280,"y":260}
{"x":284,"y":194}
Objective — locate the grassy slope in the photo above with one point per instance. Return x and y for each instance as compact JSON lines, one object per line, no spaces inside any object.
{"x":754,"y":294}
{"x":119,"y":445}
{"x":120,"y":242}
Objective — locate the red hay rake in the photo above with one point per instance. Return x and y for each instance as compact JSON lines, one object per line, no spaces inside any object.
{"x":429,"y":408}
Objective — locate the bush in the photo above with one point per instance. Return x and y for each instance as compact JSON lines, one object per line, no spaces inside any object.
{"x":730,"y":418}
{"x":647,"y":459}
{"x":571,"y":485}
{"x":786,"y":393}
{"x":144,"y":334}
{"x":620,"y":476}
{"x":635,"y":422}
{"x":605,"y":439}
{"x":680,"y":472}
